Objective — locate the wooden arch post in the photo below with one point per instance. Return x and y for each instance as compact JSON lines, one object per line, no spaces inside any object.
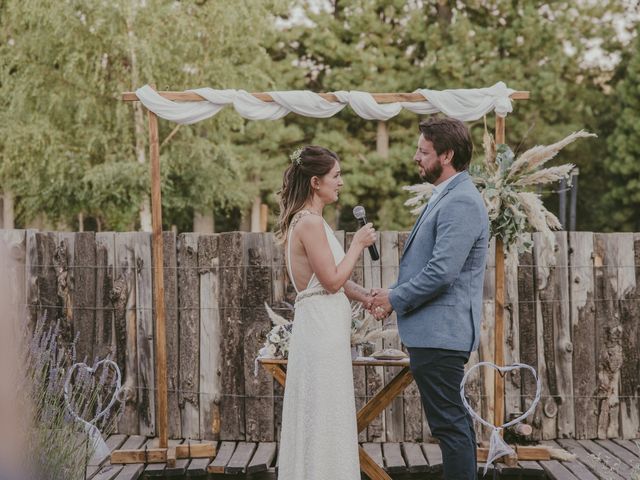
{"x":167,"y":454}
{"x":498,"y":393}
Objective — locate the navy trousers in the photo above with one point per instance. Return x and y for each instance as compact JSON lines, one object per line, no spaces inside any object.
{"x":438,"y":374}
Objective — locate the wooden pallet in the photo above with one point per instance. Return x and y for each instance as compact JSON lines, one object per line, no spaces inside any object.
{"x":596,"y":460}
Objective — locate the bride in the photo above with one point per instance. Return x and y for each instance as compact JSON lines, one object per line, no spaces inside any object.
{"x":319,"y":438}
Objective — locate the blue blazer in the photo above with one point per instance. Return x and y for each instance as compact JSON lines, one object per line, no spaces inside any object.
{"x":438,"y":296}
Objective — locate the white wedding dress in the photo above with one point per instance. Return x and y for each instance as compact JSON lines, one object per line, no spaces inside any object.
{"x":319,"y":438}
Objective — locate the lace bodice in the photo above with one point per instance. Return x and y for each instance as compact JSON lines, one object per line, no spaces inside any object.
{"x":334,"y":245}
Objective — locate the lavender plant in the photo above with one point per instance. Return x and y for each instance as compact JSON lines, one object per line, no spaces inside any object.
{"x":56,"y":442}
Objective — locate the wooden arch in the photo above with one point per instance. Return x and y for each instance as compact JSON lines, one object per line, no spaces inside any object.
{"x":157,"y":246}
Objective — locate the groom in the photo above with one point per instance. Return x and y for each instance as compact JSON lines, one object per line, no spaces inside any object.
{"x":438,"y":295}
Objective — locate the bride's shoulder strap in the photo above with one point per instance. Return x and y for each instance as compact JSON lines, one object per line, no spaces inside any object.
{"x":296,"y":218}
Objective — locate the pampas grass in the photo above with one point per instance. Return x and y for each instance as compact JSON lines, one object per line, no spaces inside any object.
{"x":370,"y":330}
{"x":537,"y":156}
{"x":505,"y":182}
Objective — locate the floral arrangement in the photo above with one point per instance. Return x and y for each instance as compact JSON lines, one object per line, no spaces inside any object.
{"x":276,"y":344}
{"x":364,"y":331}
{"x":504,"y":183}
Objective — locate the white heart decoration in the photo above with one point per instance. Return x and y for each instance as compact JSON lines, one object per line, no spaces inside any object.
{"x":497,"y":446}
{"x":99,"y":447}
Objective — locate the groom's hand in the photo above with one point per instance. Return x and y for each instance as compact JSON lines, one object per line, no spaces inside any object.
{"x":380,"y":307}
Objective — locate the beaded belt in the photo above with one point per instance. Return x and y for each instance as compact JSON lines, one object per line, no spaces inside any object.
{"x":312,"y":293}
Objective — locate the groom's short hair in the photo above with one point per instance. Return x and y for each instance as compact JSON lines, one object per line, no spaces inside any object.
{"x":449,"y":134}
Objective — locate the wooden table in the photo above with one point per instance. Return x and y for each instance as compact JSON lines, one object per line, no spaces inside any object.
{"x":373,"y":408}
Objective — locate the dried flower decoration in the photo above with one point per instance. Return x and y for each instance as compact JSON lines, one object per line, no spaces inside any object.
{"x":505,"y":183}
{"x":296,"y":155}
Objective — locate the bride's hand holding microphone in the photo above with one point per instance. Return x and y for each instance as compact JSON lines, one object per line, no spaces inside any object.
{"x":365,"y":236}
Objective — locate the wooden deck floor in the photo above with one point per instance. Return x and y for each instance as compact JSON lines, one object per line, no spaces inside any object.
{"x":596,"y":460}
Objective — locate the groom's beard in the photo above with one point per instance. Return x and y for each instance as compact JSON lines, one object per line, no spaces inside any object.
{"x":432,"y":174}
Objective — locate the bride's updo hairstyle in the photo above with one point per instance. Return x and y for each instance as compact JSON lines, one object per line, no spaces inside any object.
{"x":310,"y":161}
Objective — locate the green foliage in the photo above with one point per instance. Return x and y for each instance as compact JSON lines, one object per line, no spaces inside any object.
{"x":393,"y":45}
{"x":70,"y":145}
{"x":623,"y":161}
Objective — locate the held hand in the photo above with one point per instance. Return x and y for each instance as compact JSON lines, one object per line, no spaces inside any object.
{"x":380,"y":306}
{"x":365,"y":236}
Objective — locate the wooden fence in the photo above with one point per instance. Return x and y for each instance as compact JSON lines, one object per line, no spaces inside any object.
{"x":572,"y":312}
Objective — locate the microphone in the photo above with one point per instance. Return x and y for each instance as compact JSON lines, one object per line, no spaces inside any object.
{"x":359,"y":213}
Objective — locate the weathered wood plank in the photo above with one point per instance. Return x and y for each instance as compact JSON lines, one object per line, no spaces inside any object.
{"x":389,"y":260}
{"x":256,"y":324}
{"x":584,"y":333}
{"x":63,"y":263}
{"x":189,"y":344}
{"x":553,"y":307}
{"x":580,"y":470}
{"x":374,"y":450}
{"x":198,"y":467}
{"x":262,"y":458}
{"x":531,"y":468}
{"x":210,"y":337}
{"x":240,"y":458}
{"x":125,"y":311}
{"x":629,"y":304}
{"x":557,"y":471}
{"x":393,"y":458}
{"x":528,"y":337}
{"x":359,"y":373}
{"x":84,"y":298}
{"x":486,"y":351}
{"x":607,"y":458}
{"x":47,"y":300}
{"x":107,"y":472}
{"x":283,"y":297}
{"x":132,"y":442}
{"x":619,"y":452}
{"x":512,"y":382}
{"x":433,"y":454}
{"x":179,"y":469}
{"x":632,"y":446}
{"x":222,"y":458}
{"x":592,"y":463}
{"x":232,"y":412}
{"x":105,"y":342}
{"x":376,"y":431}
{"x":132,"y":471}
{"x":154,"y":470}
{"x":412,"y":404}
{"x":609,"y":254}
{"x":172,"y":330}
{"x":544,"y":254}
{"x":146,"y":348}
{"x":113,"y":442}
{"x":32,"y":293}
{"x":416,"y":462}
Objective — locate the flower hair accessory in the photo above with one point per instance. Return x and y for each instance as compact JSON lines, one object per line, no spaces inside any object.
{"x":296,"y":155}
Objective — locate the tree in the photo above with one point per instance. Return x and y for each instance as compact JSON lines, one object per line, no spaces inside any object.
{"x":71,"y":146}
{"x":623,"y":161}
{"x":393,"y":45}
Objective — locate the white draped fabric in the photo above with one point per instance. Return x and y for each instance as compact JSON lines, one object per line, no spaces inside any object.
{"x":463,"y":104}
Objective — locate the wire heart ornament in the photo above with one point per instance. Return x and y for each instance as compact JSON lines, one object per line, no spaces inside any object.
{"x":497,"y":446}
{"x":98,"y":446}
